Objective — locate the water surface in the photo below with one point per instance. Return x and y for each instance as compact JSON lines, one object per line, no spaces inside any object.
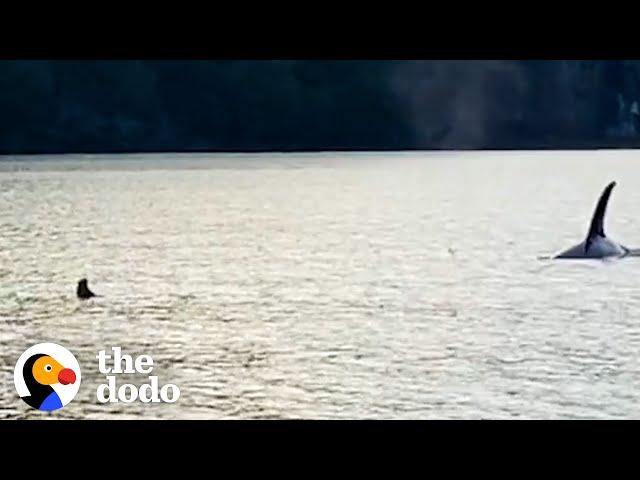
{"x":382,"y":285}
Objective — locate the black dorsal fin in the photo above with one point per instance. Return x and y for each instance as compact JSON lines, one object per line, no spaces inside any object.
{"x":83,"y":290}
{"x":597,"y":222}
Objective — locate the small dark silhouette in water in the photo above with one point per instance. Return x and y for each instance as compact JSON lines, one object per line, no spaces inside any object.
{"x":83,"y":290}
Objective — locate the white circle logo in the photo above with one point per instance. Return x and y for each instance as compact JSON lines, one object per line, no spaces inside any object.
{"x":47,"y":376}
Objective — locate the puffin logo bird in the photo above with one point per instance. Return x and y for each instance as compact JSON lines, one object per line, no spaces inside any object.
{"x":40,"y":371}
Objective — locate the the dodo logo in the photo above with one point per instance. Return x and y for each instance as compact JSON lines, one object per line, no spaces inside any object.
{"x":47,"y":376}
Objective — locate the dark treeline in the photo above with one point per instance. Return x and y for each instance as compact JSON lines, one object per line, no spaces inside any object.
{"x":110,"y":106}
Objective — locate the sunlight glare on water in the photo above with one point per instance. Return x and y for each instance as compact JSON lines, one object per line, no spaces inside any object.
{"x":364,"y":285}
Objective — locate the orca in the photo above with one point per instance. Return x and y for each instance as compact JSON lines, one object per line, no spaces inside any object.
{"x":83,"y":291}
{"x":597,"y":244}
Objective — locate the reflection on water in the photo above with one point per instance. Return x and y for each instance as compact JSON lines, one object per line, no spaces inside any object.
{"x":386,"y":285}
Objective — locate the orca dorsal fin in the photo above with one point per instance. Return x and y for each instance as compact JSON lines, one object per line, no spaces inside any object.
{"x":83,"y":290}
{"x":597,"y":222}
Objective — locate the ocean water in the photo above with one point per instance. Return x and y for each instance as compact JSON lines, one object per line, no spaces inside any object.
{"x":335,"y":285}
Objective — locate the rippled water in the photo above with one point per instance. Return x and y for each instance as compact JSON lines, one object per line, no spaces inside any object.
{"x":386,"y":285}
